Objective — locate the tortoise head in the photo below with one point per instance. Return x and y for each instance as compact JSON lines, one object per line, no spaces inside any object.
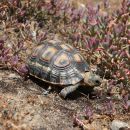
{"x":91,"y":79}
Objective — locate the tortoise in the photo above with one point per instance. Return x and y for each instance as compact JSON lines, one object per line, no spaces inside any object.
{"x":61,"y":64}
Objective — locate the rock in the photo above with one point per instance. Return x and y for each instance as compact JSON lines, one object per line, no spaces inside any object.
{"x":118,"y":125}
{"x":105,"y":128}
{"x":124,"y":128}
{"x":13,"y":76}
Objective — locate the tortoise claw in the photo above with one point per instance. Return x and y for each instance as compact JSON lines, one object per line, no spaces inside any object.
{"x":63,"y":94}
{"x":46,"y":92}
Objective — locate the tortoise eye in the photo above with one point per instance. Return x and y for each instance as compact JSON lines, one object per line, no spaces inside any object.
{"x":93,"y":71}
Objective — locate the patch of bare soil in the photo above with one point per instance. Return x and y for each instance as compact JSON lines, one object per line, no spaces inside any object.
{"x":24,"y":107}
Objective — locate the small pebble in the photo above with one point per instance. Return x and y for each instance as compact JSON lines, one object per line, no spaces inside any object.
{"x":13,"y":76}
{"x":118,"y":125}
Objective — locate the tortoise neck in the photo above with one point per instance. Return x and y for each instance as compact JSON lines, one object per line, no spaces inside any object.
{"x":86,"y":78}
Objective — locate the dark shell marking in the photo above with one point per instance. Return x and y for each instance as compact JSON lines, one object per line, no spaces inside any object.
{"x":57,"y":64}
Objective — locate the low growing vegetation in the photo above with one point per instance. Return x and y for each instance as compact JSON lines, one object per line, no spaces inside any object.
{"x":102,"y":37}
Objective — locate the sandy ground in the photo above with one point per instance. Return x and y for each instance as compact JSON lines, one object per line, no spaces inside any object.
{"x":24,"y":107}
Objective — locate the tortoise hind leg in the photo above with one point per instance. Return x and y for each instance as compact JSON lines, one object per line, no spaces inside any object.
{"x":67,"y":90}
{"x":46,"y":92}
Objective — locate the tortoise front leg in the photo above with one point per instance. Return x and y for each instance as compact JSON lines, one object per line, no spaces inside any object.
{"x":67,"y":90}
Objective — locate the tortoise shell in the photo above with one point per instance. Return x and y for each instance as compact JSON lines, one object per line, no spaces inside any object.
{"x":57,"y":63}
